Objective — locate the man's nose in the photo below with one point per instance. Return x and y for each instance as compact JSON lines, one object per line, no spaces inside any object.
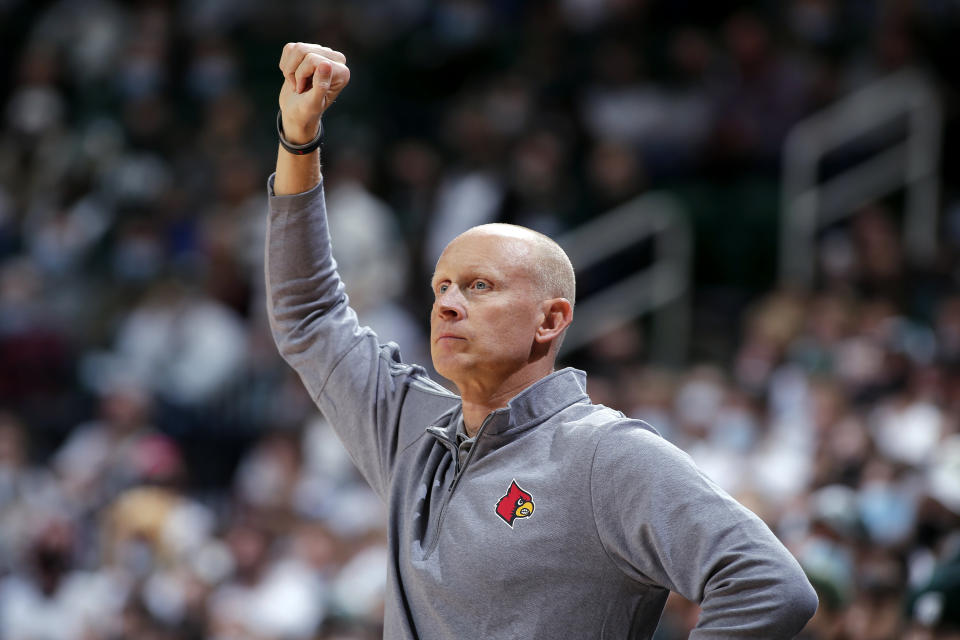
{"x":449,"y":304}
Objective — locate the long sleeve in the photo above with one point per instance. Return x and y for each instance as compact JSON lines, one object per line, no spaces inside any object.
{"x":664,"y":523}
{"x":362,"y":387}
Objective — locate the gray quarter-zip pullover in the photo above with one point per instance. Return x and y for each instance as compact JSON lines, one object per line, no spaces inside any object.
{"x":562,"y":519}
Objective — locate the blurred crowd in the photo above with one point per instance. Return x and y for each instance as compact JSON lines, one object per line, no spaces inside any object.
{"x":163,"y":475}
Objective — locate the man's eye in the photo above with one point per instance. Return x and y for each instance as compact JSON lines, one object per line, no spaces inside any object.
{"x":480,"y":284}
{"x":443,"y":288}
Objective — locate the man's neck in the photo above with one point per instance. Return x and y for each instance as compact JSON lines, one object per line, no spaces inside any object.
{"x":480,"y":401}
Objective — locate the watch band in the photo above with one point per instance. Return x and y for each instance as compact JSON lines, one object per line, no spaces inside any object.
{"x":298,"y":149}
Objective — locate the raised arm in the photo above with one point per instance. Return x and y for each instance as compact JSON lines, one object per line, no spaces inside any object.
{"x":365,"y":392}
{"x":313,"y":78}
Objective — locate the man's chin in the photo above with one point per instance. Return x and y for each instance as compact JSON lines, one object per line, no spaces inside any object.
{"x":444,"y":369}
{"x":449,"y":367}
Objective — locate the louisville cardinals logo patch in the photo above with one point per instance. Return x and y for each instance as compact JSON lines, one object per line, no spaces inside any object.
{"x":517,"y":503}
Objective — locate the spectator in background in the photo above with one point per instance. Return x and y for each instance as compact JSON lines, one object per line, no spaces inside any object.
{"x":270,"y":594}
{"x":49,"y":599}
{"x":26,"y":492}
{"x":99,"y":459}
{"x":178,"y":343}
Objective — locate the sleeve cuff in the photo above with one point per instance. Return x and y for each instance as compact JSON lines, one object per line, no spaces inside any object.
{"x":293,"y":198}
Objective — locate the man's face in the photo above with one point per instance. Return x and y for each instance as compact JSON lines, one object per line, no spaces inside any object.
{"x":486,"y":309}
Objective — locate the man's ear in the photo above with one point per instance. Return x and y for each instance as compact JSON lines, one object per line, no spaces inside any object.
{"x":557,"y":316}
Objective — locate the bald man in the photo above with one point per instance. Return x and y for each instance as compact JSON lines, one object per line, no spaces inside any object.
{"x":517,"y":509}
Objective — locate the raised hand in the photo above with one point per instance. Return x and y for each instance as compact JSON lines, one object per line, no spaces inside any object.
{"x":313,"y":78}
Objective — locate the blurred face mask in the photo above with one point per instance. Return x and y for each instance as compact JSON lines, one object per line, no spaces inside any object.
{"x":887,"y":512}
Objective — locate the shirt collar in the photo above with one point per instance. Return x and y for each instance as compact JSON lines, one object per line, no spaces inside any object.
{"x":532,"y":406}
{"x":546,"y":397}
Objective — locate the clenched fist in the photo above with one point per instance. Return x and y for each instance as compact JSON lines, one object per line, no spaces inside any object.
{"x":313,"y":78}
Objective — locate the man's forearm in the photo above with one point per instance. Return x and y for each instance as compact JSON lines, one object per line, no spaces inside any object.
{"x":296,"y":174}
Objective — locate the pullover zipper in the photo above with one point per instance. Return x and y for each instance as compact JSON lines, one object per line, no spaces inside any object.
{"x":466,"y":462}
{"x":456,"y":480}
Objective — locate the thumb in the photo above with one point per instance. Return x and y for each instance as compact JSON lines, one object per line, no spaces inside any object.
{"x":319,"y":87}
{"x":332,"y":82}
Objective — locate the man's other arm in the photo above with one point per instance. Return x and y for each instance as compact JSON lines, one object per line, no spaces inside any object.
{"x":663,"y":522}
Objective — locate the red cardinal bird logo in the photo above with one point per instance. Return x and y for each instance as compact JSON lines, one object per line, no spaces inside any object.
{"x":517,"y":503}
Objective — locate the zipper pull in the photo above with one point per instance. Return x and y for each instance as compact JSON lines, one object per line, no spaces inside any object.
{"x":457,"y":470}
{"x":473,"y":449}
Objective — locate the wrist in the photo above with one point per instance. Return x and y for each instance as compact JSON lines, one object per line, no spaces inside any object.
{"x":298,"y":134}
{"x":301,"y":140}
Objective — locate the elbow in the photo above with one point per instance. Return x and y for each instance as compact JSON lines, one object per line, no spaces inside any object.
{"x":810,"y":601}
{"x":297,"y":324}
{"x":773,"y":606}
{"x":799,"y":603}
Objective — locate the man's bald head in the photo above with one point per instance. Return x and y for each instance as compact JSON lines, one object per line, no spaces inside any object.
{"x":549,"y":267}
{"x":503,"y":299}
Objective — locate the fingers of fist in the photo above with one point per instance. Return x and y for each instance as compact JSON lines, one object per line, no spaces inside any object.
{"x":308,"y":66}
